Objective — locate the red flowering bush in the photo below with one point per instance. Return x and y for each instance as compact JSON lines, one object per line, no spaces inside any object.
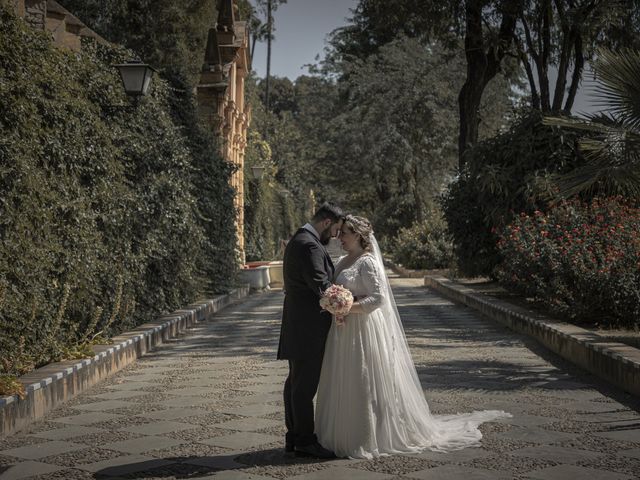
{"x":580,"y":259}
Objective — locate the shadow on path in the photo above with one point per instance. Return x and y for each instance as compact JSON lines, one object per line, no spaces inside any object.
{"x":197,"y":467}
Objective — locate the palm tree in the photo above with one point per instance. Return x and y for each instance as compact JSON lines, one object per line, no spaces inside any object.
{"x":611,"y":146}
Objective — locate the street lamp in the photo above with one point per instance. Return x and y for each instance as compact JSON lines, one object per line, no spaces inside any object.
{"x":258,"y":172}
{"x":136,"y":77}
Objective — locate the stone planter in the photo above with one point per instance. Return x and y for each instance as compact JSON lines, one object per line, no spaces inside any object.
{"x":256,"y":277}
{"x":259,"y":263}
{"x":275,"y":272}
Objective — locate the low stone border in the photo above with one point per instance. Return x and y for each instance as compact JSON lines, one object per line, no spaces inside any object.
{"x":409,"y":273}
{"x":616,"y":363}
{"x":54,"y":384}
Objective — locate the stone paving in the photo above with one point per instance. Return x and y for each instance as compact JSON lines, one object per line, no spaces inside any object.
{"x":208,"y":405}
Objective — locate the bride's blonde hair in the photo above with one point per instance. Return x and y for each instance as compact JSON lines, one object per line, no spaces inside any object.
{"x":362,"y":227}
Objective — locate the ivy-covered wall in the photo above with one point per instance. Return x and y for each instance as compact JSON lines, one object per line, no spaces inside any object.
{"x":109,"y":214}
{"x":271,"y":215}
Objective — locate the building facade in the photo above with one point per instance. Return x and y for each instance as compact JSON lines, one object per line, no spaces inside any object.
{"x":48,"y":15}
{"x":221,"y":98}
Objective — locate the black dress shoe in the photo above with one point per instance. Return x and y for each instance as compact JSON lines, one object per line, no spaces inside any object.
{"x":289,"y":450}
{"x":314,"y":450}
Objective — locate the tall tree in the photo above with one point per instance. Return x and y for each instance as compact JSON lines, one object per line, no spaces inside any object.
{"x":562,"y":34}
{"x":487,"y":27}
{"x":397,"y":131}
{"x":288,"y":143}
{"x":485,"y":51}
{"x":269,"y":38}
{"x":541,"y":34}
{"x":261,"y":21}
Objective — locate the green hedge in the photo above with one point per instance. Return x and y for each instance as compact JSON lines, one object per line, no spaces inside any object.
{"x":270,"y":218}
{"x":271,"y":214}
{"x":108,"y":216}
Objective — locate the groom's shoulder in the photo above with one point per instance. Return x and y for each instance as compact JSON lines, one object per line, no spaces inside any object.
{"x":303,"y":238}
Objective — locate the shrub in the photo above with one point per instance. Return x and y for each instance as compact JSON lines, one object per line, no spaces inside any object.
{"x":503,"y":175}
{"x":103,"y":224}
{"x":271,"y":217}
{"x":579,"y":259}
{"x":424,"y":245}
{"x":271,"y":213}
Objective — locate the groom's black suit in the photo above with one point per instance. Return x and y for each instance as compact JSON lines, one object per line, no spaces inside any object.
{"x":307,"y":271}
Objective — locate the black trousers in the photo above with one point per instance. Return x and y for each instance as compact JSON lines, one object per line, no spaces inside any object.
{"x":299,"y":389}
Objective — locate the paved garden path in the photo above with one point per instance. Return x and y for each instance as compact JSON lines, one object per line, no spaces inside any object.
{"x":208,"y":405}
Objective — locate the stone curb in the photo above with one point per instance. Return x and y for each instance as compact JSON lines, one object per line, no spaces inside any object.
{"x":54,"y":384}
{"x":614,"y":362}
{"x":409,"y":273}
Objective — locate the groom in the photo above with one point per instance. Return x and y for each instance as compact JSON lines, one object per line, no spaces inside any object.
{"x":307,"y":274}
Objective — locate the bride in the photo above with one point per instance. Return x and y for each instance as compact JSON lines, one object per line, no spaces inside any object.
{"x":370,"y":401}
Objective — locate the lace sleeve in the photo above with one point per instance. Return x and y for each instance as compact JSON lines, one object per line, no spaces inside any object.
{"x":373,"y":285}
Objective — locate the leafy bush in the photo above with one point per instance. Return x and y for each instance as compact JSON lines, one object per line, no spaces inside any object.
{"x":218,"y":263}
{"x":278,"y":204}
{"x":270,"y":218}
{"x":425,"y":245}
{"x":503,"y":175}
{"x":579,"y":259}
{"x":108,"y":215}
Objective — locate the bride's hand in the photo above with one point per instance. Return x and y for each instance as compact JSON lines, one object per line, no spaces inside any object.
{"x":356,"y":307}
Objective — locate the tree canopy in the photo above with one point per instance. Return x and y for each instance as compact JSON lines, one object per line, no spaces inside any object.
{"x":538,"y":35}
{"x":378,"y":137}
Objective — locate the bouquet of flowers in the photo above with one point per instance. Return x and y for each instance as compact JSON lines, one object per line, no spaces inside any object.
{"x":337,"y":300}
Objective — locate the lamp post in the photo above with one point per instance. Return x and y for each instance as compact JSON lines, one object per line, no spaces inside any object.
{"x":136,"y":78}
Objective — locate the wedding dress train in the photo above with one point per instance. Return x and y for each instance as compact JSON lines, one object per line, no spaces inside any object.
{"x":370,"y":401}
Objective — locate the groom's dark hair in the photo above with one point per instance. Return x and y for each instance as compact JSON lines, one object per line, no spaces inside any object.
{"x":328,"y":210}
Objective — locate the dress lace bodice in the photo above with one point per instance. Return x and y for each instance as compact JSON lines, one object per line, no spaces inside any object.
{"x":364,"y":280}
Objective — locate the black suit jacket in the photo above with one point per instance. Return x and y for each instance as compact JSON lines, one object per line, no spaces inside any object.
{"x":307,"y":272}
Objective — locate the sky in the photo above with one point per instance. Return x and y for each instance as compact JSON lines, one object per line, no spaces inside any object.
{"x":301,"y":30}
{"x":302,"y":27}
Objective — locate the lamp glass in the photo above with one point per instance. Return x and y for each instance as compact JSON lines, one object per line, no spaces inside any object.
{"x":136,"y":77}
{"x":258,"y":172}
{"x":147,"y":80}
{"x":133,"y":77}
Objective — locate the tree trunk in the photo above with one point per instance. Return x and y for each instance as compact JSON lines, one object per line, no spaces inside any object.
{"x":254,"y":39}
{"x":568,"y":32}
{"x":269,"y":30}
{"x":533,"y":53}
{"x":469,"y":104}
{"x":417,"y":197}
{"x":482,"y":66}
{"x":545,"y":52}
{"x":471,"y":92}
{"x":578,"y":67}
{"x":535,"y":98}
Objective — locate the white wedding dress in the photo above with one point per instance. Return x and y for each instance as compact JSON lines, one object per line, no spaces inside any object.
{"x":370,"y":401}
